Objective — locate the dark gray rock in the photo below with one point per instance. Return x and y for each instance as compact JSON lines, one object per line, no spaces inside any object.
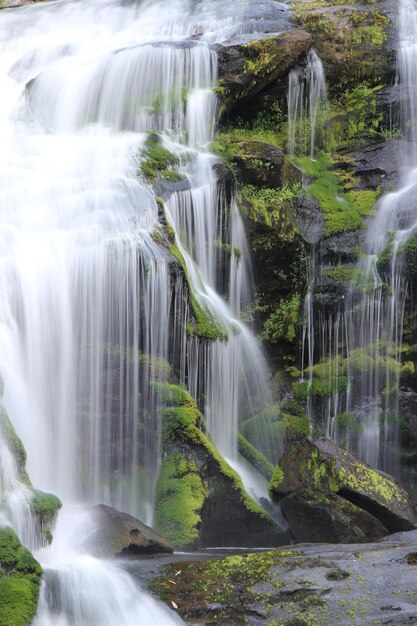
{"x":245,"y":69}
{"x":122,"y":535}
{"x":315,"y":517}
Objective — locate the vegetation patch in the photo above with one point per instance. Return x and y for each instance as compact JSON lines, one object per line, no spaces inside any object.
{"x":342,"y":210}
{"x":19,"y":581}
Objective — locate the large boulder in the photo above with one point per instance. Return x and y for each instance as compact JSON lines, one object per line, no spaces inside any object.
{"x":317,"y":517}
{"x":249,"y":66}
{"x":122,"y":535}
{"x":200,"y":500}
{"x":318,"y":464}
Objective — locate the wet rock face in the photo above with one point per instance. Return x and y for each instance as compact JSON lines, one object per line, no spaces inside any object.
{"x":122,"y":535}
{"x":368,"y":504}
{"x":258,"y":163}
{"x":322,"y":585}
{"x":247,"y":68}
{"x":314,"y":517}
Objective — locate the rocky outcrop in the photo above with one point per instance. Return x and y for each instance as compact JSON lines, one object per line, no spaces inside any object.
{"x":249,"y":66}
{"x":258,"y":163}
{"x":122,"y":535}
{"x":316,"y":517}
{"x":200,"y":500}
{"x":355,"y":39}
{"x":20,"y":577}
{"x":302,"y":585}
{"x":313,"y":470}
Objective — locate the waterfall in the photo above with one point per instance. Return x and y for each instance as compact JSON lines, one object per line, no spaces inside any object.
{"x":93,"y":307}
{"x":306,"y":94}
{"x":362,"y":342}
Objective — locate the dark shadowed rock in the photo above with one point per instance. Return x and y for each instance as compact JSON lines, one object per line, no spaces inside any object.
{"x":258,"y":163}
{"x":317,"y":517}
{"x":318,"y":464}
{"x":245,"y":69}
{"x":120,"y":534}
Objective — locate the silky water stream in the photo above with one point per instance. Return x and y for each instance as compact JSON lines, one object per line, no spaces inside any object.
{"x":89,"y":312}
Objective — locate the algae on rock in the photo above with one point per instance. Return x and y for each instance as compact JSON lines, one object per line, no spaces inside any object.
{"x":200,"y":500}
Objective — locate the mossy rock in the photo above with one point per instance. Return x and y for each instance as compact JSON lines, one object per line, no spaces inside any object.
{"x":353,"y":38}
{"x":15,"y":445}
{"x":200,"y":500}
{"x":246,"y":69}
{"x":329,"y":518}
{"x":20,"y":576}
{"x":318,"y":464}
{"x":255,"y":458}
{"x":258,"y":163}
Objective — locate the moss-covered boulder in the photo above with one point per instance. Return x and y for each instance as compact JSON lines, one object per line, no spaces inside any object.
{"x":200,"y":501}
{"x":20,"y":576}
{"x":317,"y":517}
{"x":245,"y":69}
{"x":319,"y":465}
{"x":122,"y":535}
{"x":355,"y":38}
{"x":258,"y":163}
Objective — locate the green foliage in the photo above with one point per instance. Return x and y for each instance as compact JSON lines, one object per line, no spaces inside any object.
{"x":267,"y":205}
{"x":282,"y":323}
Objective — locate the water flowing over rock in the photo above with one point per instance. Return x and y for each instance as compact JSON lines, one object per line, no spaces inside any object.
{"x":247,"y":68}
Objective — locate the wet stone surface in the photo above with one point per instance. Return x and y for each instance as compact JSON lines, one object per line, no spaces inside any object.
{"x":304,"y":585}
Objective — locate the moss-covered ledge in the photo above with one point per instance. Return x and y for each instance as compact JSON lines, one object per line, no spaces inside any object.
{"x":20,"y":576}
{"x":200,"y":500}
{"x":245,"y":69}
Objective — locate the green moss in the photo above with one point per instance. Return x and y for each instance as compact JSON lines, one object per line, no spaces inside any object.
{"x":14,"y":444}
{"x":183,"y":481}
{"x":180,"y":494}
{"x":320,"y":387}
{"x":294,"y":426}
{"x":204,"y":325}
{"x":364,"y":478}
{"x":269,"y":206}
{"x":277,"y":479}
{"x":156,"y":158}
{"x":255,"y":457}
{"x":19,"y":581}
{"x":45,"y":505}
{"x":344,"y":277}
{"x":342,"y":210}
{"x":18,"y":601}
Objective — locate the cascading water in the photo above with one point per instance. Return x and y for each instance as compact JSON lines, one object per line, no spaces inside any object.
{"x":307,"y":92}
{"x":90,"y":314}
{"x":363,"y":341}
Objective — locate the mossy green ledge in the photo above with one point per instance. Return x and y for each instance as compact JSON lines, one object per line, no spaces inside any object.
{"x":20,"y":576}
{"x":200,"y":500}
{"x":318,"y":464}
{"x":245,"y":69}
